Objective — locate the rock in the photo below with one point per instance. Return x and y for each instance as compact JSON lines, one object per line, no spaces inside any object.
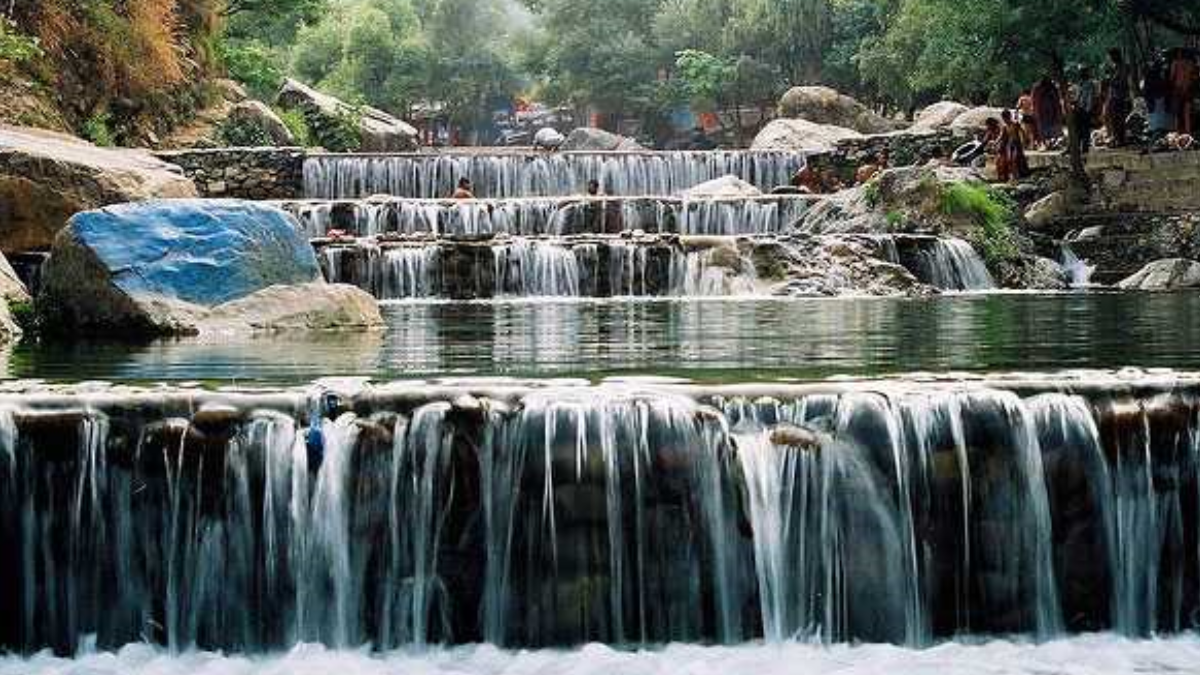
{"x":379,"y":131}
{"x":794,"y":135}
{"x":548,"y":138}
{"x":1042,"y":274}
{"x":939,"y":116}
{"x":258,"y":115}
{"x":822,"y":105}
{"x":230,"y":91}
{"x":794,"y":437}
{"x":975,"y":119}
{"x":162,"y":267}
{"x":905,"y":199}
{"x":12,"y":289}
{"x":591,"y":139}
{"x":308,"y":307}
{"x":45,"y":178}
{"x":1047,"y":210}
{"x":725,"y":186}
{"x":1165,"y":275}
{"x":9,"y":330}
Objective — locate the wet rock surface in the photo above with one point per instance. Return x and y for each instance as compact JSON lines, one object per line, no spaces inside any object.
{"x":1165,"y":275}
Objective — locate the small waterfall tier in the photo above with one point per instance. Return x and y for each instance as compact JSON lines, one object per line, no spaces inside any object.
{"x":641,"y":265}
{"x":506,"y":175}
{"x":530,"y":515}
{"x":581,"y":266}
{"x":552,"y":215}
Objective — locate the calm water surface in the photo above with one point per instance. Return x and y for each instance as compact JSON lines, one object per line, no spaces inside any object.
{"x":734,"y":340}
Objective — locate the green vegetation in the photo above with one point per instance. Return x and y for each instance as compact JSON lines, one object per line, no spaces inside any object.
{"x":992,"y":212}
{"x":98,"y":130}
{"x":296,"y":123}
{"x":16,"y":47}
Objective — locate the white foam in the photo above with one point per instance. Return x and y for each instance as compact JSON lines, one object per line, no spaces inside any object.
{"x":1087,"y":655}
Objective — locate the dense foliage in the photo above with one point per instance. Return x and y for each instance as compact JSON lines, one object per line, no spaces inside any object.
{"x":145,"y":63}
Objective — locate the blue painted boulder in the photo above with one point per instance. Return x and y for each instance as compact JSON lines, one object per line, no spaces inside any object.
{"x":164,"y":267}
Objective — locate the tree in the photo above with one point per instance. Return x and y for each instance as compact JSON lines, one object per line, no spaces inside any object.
{"x":792,"y":34}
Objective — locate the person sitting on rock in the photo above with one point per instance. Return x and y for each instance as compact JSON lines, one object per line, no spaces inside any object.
{"x":868,"y":171}
{"x":464,"y":190}
{"x":807,"y":181}
{"x":830,"y":183}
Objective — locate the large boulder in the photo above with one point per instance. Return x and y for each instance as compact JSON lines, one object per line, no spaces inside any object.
{"x":939,"y":116}
{"x":257,"y":116}
{"x":906,"y":199}
{"x":315,"y":306}
{"x":591,"y":139}
{"x":185,"y":267}
{"x":975,"y":119}
{"x":1165,"y":275}
{"x":45,"y":178}
{"x":823,"y":105}
{"x":378,"y":131}
{"x":725,"y":186}
{"x":796,"y":135}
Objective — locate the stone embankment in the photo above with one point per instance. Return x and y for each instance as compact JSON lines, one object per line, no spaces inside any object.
{"x":243,"y":173}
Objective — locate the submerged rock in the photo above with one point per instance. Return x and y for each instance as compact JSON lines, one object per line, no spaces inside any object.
{"x":1165,"y":275}
{"x":46,"y":177}
{"x":796,"y":135}
{"x":168,"y":268}
{"x":378,"y":131}
{"x":826,"y":106}
{"x":591,"y":139}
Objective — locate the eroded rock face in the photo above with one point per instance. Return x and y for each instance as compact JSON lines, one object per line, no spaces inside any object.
{"x":797,"y":135}
{"x":1165,"y":275}
{"x":939,"y":116}
{"x":379,"y":131}
{"x":826,"y":106}
{"x":258,"y":115}
{"x":170,"y":268}
{"x":591,"y":139}
{"x":907,"y":199}
{"x":45,"y":178}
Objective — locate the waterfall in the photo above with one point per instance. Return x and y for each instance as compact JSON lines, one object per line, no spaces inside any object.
{"x":570,"y":514}
{"x":527,"y":268}
{"x":712,"y":273}
{"x":1078,"y":271}
{"x":550,"y":216}
{"x":953,"y":265}
{"x":534,"y":175}
{"x":388,"y":274}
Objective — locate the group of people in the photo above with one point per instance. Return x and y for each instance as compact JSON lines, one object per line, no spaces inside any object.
{"x":1157,"y":108}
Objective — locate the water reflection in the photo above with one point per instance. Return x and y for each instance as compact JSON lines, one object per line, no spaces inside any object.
{"x":725,"y":340}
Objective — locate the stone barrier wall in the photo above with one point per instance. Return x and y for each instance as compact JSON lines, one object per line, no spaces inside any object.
{"x":243,"y":173}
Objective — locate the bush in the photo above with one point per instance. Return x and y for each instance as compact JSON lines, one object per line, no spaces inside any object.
{"x":296,"y":123}
{"x":254,"y":66}
{"x":243,"y":133}
{"x":336,"y":133}
{"x":98,"y":130}
{"x":16,"y":47}
{"x":25,"y":316}
{"x":993,"y":213}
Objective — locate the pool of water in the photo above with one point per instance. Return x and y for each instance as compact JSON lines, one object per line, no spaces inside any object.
{"x":1088,"y":655}
{"x":711,"y":340}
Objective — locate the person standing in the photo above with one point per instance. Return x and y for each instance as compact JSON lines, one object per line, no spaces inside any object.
{"x":1048,"y":111}
{"x":1083,"y":97}
{"x":1156,"y":89}
{"x":1028,"y":113}
{"x":1117,"y":100}
{"x":1184,"y":77}
{"x":1012,"y":146}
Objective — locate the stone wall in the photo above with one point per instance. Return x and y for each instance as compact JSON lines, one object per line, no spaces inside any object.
{"x":905,"y":147}
{"x":1130,"y":181}
{"x":243,"y":173}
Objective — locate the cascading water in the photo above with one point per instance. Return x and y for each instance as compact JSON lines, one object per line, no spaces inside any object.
{"x":539,"y":175}
{"x":1078,"y":271}
{"x":550,"y":216}
{"x":561,"y":516}
{"x":954,"y":265}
